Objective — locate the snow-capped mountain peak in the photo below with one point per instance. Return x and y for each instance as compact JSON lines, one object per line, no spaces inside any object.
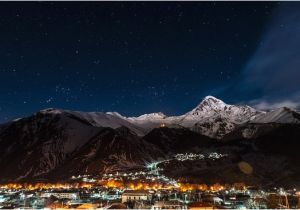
{"x":213,"y":115}
{"x":212,"y":100}
{"x":151,"y":116}
{"x":211,"y":106}
{"x":208,"y":104}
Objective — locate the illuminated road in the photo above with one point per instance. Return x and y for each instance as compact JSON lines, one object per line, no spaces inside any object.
{"x":153,"y":166}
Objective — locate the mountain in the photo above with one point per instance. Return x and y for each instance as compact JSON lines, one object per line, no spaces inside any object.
{"x":216,"y":138}
{"x":98,"y":119}
{"x":37,"y":145}
{"x":280,"y":115}
{"x":265,"y":123}
{"x":148,"y":121}
{"x":40,"y":142}
{"x":212,"y":117}
{"x":108,"y":151}
{"x":211,"y":107}
{"x":216,"y":126}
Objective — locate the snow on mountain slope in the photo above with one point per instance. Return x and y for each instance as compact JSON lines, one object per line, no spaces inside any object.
{"x":99,"y":119}
{"x":221,"y":117}
{"x":211,"y":117}
{"x":37,"y":145}
{"x":215,"y":127}
{"x":148,"y":121}
{"x":215,"y":108}
{"x":280,"y":115}
{"x":214,"y":118}
{"x":42,"y":142}
{"x":150,"y":117}
{"x":75,"y":131}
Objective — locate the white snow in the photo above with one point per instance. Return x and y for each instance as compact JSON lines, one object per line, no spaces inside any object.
{"x":280,"y":115}
{"x":210,"y":110}
{"x":212,"y":117}
{"x":149,"y":117}
{"x":100,"y":119}
{"x":213,"y":107}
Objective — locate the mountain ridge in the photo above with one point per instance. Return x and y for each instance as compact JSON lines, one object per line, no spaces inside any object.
{"x":211,"y":117}
{"x":57,"y":143}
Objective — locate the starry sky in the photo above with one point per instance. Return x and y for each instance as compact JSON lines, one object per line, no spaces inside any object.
{"x":142,"y":57}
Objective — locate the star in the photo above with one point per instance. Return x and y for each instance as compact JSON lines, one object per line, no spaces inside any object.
{"x":126,"y":54}
{"x":49,"y":100}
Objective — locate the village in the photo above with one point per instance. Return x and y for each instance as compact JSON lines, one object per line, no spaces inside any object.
{"x":114,"y":198}
{"x":144,"y":189}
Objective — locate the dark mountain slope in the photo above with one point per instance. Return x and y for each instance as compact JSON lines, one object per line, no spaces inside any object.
{"x":175,"y":140}
{"x":110,"y":150}
{"x":33,"y":147}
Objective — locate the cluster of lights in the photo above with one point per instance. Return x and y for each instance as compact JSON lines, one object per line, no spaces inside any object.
{"x":189,"y":156}
{"x":193,"y":156}
{"x":216,"y":155}
{"x":119,"y":174}
{"x":45,"y":186}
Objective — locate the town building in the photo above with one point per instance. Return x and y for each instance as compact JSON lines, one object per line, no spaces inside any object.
{"x":168,"y":205}
{"x":136,"y":195}
{"x":61,"y":194}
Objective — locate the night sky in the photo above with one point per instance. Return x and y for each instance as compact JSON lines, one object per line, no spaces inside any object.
{"x":142,"y":57}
